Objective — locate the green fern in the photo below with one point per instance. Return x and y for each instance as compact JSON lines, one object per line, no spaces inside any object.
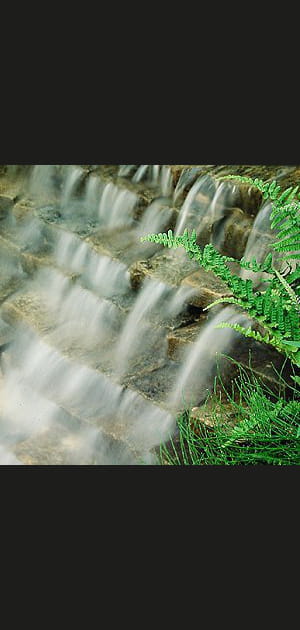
{"x":276,"y":309}
{"x":285,"y":214}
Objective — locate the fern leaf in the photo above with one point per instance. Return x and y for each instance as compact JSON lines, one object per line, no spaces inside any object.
{"x":294,"y":298}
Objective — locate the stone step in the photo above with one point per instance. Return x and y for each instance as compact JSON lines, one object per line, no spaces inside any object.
{"x":247,"y":200}
{"x":57,"y":447}
{"x":176,"y":269}
{"x":66,"y":440}
{"x":148,"y":371}
{"x":262,"y":358}
{"x":30,"y":309}
{"x":120,"y":245}
{"x":88,"y":394}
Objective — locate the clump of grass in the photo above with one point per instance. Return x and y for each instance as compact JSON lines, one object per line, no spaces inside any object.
{"x":266,"y":429}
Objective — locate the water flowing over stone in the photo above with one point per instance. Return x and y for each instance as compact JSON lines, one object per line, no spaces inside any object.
{"x":116,"y":206}
{"x":100,"y":273}
{"x":166,"y":181}
{"x":195,"y":380}
{"x":125,"y":170}
{"x":155,"y":218}
{"x":41,"y":183}
{"x":87,"y":372}
{"x":258,"y":244}
{"x":194,"y":207}
{"x":187,"y":177}
{"x":92,"y":195}
{"x":137,"y":329}
{"x":140,"y":173}
{"x":69,"y":189}
{"x":155,"y":175}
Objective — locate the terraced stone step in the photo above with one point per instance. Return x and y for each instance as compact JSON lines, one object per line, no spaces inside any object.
{"x":58,"y":447}
{"x":248,"y":201}
{"x":80,"y":343}
{"x":178,"y":270}
{"x":66,"y":439}
{"x":248,"y":352}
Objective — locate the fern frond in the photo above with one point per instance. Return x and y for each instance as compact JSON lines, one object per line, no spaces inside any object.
{"x":253,"y":265}
{"x":247,"y":332}
{"x":269,"y":190}
{"x":277,"y":308}
{"x":225,"y":300}
{"x":291,"y":350}
{"x":293,"y":296}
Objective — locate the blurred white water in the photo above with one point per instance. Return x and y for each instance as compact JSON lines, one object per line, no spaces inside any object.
{"x":195,"y":206}
{"x":258,"y":245}
{"x":41,"y":385}
{"x":48,"y":384}
{"x":155,"y":300}
{"x":156,"y":175}
{"x":196,"y":375}
{"x":102,"y":274}
{"x":41,"y":183}
{"x":72,"y":179}
{"x":116,"y":207}
{"x":155,"y":218}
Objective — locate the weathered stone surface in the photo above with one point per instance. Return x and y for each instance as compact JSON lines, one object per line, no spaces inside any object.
{"x":207,"y":288}
{"x":6,"y":204}
{"x":170,"y":267}
{"x":6,"y":333}
{"x":178,"y":340}
{"x":236,"y":230}
{"x":157,"y":376}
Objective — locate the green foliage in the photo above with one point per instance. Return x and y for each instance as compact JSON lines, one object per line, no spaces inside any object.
{"x":285,"y":215}
{"x":277,"y":308}
{"x":267,"y":429}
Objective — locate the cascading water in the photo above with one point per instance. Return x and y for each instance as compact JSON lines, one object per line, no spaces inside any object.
{"x":41,"y":183}
{"x":156,"y":300}
{"x":92,"y":195}
{"x":155,"y":218}
{"x":198,"y":369}
{"x":116,"y":207}
{"x":155,"y":175}
{"x":101,"y":274}
{"x":258,"y":245}
{"x":187,"y":177}
{"x":195,"y":206}
{"x":70,"y":185}
{"x":85,"y":337}
{"x":49,"y":378}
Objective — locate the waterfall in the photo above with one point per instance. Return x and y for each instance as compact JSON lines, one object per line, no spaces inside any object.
{"x":41,"y":184}
{"x":75,"y":173}
{"x":116,"y":207}
{"x":84,"y":355}
{"x":196,"y":375}
{"x":194,"y":207}
{"x":258,"y":244}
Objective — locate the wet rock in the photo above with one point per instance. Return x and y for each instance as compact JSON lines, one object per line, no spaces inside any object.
{"x":6,"y":205}
{"x":207,"y":288}
{"x":6,"y":334}
{"x":202,"y":416}
{"x":170,"y":267}
{"x":137,"y":273}
{"x":212,"y":413}
{"x":246,"y":197}
{"x":178,"y":340}
{"x":236,"y":229}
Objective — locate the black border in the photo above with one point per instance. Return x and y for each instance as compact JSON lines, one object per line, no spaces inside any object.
{"x":146,"y":127}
